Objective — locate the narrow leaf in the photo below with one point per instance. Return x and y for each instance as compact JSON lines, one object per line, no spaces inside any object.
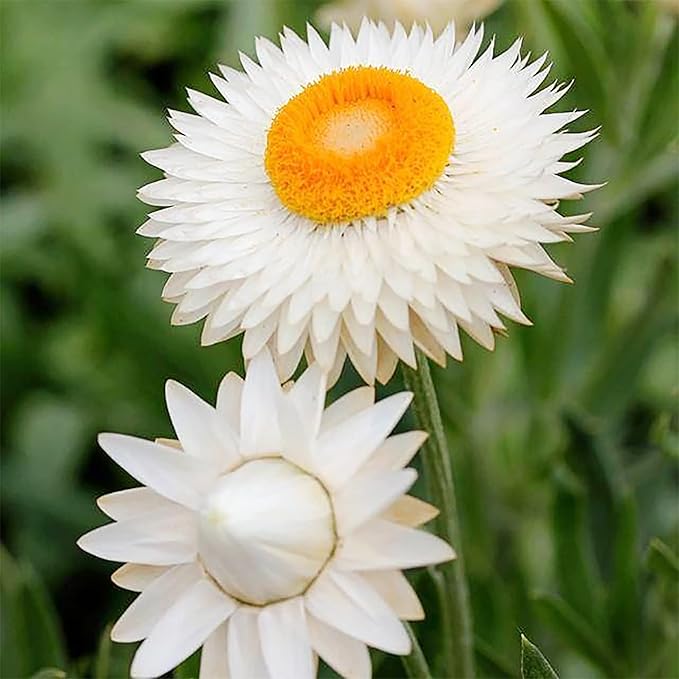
{"x":534,"y":665}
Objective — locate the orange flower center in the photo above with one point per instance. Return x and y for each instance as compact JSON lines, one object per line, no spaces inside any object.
{"x":357,"y":142}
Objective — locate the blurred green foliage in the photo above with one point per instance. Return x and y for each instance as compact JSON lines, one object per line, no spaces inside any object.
{"x":564,"y":439}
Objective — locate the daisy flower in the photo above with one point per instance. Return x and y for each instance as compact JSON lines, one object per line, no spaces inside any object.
{"x":437,"y":13}
{"x":271,"y":533}
{"x":363,"y":197}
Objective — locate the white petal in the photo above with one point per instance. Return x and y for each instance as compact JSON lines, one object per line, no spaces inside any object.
{"x":135,"y":576}
{"x":259,"y":431}
{"x":228,"y":400}
{"x":173,"y":474}
{"x":195,"y":422}
{"x":244,"y":647}
{"x":346,"y":602}
{"x":367,"y":495}
{"x":382,"y":545}
{"x":125,"y":541}
{"x":300,"y":416}
{"x":308,"y":395}
{"x":410,"y":511}
{"x":296,"y":439}
{"x":396,"y":452}
{"x":285,"y":640}
{"x":146,"y":610}
{"x":346,"y":406}
{"x":395,"y":589}
{"x":347,"y":656}
{"x":214,"y":662}
{"x":341,"y":450}
{"x":126,"y":504}
{"x":181,"y":631}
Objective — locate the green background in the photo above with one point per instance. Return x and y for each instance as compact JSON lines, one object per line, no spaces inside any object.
{"x":564,"y":439}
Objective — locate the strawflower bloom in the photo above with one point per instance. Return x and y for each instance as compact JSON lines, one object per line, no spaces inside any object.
{"x":271,"y":533}
{"x":362,"y":197}
{"x":437,"y":13}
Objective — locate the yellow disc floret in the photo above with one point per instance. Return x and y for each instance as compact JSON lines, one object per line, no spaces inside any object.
{"x":357,"y":142}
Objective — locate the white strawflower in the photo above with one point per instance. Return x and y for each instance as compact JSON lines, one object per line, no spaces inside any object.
{"x":271,"y":533}
{"x":363,"y":197}
{"x":437,"y":13}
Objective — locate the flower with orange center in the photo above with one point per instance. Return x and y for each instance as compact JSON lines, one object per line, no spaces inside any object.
{"x":363,"y":197}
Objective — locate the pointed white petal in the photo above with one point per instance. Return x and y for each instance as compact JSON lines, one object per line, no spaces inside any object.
{"x":244,"y":647}
{"x":347,"y":656}
{"x":341,"y":450}
{"x":300,"y":416}
{"x":308,"y":395}
{"x":346,"y":406}
{"x":410,"y":511}
{"x":181,"y":631}
{"x":259,"y":431}
{"x":296,"y":440}
{"x":382,"y":545}
{"x":125,"y":541}
{"x":346,"y":602}
{"x":368,"y":495}
{"x":171,"y":473}
{"x":214,"y":662}
{"x":228,"y":400}
{"x":195,"y":423}
{"x":396,"y":452}
{"x":126,"y":504}
{"x":146,"y":610}
{"x":135,"y":576}
{"x":395,"y":589}
{"x":285,"y":640}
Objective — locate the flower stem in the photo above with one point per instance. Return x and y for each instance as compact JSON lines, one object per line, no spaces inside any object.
{"x":415,"y":664}
{"x":438,"y":472}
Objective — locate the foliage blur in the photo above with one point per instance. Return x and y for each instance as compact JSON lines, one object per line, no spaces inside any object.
{"x":564,"y":439}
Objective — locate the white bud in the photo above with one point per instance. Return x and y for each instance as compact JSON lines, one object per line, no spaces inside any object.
{"x":265,"y":531}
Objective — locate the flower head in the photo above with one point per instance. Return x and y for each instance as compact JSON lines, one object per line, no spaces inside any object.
{"x":270,"y":533}
{"x":363,"y":197}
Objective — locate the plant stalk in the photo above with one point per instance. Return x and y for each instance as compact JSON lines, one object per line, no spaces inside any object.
{"x":436,"y":462}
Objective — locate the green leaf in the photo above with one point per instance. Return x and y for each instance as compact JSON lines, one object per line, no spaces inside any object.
{"x":534,"y":665}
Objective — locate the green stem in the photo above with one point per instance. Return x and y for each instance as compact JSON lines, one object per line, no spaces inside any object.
{"x":438,"y":472}
{"x":415,"y":664}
